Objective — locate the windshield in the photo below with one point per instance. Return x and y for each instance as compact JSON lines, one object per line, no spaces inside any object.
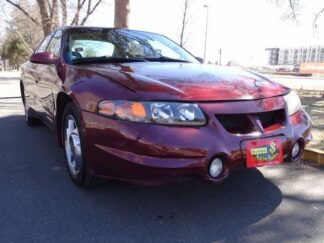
{"x":122,"y":45}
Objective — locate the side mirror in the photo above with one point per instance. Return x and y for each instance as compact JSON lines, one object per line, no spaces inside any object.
{"x":43,"y":58}
{"x":201,"y":60}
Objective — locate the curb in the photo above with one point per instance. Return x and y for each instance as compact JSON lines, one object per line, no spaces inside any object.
{"x":314,"y":155}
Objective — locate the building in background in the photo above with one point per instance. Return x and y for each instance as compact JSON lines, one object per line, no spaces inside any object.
{"x":273,"y":56}
{"x":294,"y":56}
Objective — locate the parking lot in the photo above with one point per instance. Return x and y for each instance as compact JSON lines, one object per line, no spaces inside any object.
{"x":39,"y":203}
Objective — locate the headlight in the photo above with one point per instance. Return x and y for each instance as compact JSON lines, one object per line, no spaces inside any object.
{"x":167,"y":113}
{"x":293,"y":102}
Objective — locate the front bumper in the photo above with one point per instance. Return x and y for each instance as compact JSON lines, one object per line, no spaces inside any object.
{"x":155,"y":154}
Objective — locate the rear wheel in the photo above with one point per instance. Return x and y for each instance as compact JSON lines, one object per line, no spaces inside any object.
{"x":74,"y":149}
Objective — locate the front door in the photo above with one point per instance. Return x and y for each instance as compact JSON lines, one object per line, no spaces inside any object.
{"x":48,"y":78}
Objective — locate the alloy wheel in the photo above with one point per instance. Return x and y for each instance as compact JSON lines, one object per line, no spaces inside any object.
{"x":72,"y":145}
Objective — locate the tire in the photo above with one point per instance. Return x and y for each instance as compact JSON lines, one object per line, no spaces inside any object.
{"x":29,"y":119}
{"x":74,"y":149}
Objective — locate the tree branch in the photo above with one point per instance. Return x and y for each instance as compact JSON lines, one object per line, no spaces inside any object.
{"x":184,"y":22}
{"x":47,"y":22}
{"x":23,"y":11}
{"x":95,"y":6}
{"x":52,"y":8}
{"x":292,"y":4}
{"x":90,"y":11}
{"x":54,"y":14}
{"x":64,"y":12}
{"x":315,"y":22}
{"x":75,"y":20}
{"x":49,"y":4}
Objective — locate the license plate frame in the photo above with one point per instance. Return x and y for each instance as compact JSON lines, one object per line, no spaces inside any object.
{"x":260,"y":152}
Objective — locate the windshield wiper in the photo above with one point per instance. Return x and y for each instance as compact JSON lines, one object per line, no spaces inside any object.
{"x":87,"y":60}
{"x":165,"y":59}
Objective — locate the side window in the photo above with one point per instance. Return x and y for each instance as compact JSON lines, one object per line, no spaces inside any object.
{"x":55,"y":44}
{"x":164,"y":50}
{"x":43,"y":46}
{"x":38,"y":45}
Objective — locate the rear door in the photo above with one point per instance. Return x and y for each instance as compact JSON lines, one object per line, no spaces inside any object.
{"x":30,"y":77}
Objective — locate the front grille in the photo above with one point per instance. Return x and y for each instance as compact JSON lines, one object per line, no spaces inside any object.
{"x":247,"y":123}
{"x":236,"y":123}
{"x":272,"y":118}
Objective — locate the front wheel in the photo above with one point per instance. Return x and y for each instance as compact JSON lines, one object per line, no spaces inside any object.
{"x":74,"y":148}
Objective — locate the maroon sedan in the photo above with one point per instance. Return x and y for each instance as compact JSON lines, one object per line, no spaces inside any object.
{"x":134,"y":106}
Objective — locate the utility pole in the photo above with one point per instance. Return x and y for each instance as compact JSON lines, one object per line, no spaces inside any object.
{"x":206,"y":32}
{"x":220,"y":56}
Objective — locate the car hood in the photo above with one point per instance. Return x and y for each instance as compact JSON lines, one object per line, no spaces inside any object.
{"x":189,"y":81}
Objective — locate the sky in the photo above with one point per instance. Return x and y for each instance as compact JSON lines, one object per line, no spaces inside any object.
{"x":242,"y":29}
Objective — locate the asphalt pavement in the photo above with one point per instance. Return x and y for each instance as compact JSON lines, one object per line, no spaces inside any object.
{"x":39,"y":203}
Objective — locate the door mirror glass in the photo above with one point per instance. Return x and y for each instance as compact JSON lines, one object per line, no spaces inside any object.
{"x":43,"y":58}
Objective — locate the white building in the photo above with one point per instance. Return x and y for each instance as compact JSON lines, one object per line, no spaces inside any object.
{"x":301,"y":55}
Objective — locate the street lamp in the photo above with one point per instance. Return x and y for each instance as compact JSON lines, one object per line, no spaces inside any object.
{"x":207,"y":13}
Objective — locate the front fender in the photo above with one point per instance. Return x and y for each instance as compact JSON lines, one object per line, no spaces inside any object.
{"x":87,"y":89}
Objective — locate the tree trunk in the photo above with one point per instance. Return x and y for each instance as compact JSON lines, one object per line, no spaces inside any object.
{"x":184,"y":22}
{"x":46,"y":21}
{"x":64,"y":12}
{"x":54,"y":15}
{"x":121,"y":13}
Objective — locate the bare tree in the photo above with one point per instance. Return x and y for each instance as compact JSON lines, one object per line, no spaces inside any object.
{"x":90,"y":10}
{"x":64,"y":12}
{"x":80,"y":5}
{"x":317,"y":17}
{"x":293,"y":9}
{"x":184,"y":21}
{"x":53,"y":13}
{"x":187,"y":19}
{"x":121,"y":13}
{"x":17,"y":24}
{"x":47,"y":23}
{"x":16,"y":5}
{"x":20,"y":34}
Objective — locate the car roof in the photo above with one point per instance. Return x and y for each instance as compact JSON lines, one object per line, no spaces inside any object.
{"x":83,"y":27}
{"x":65,"y":28}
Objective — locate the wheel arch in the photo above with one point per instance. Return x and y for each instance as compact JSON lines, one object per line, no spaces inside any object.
{"x":61,"y":101}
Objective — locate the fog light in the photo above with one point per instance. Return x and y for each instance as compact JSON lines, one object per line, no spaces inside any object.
{"x":216,"y":167}
{"x":296,"y":151}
